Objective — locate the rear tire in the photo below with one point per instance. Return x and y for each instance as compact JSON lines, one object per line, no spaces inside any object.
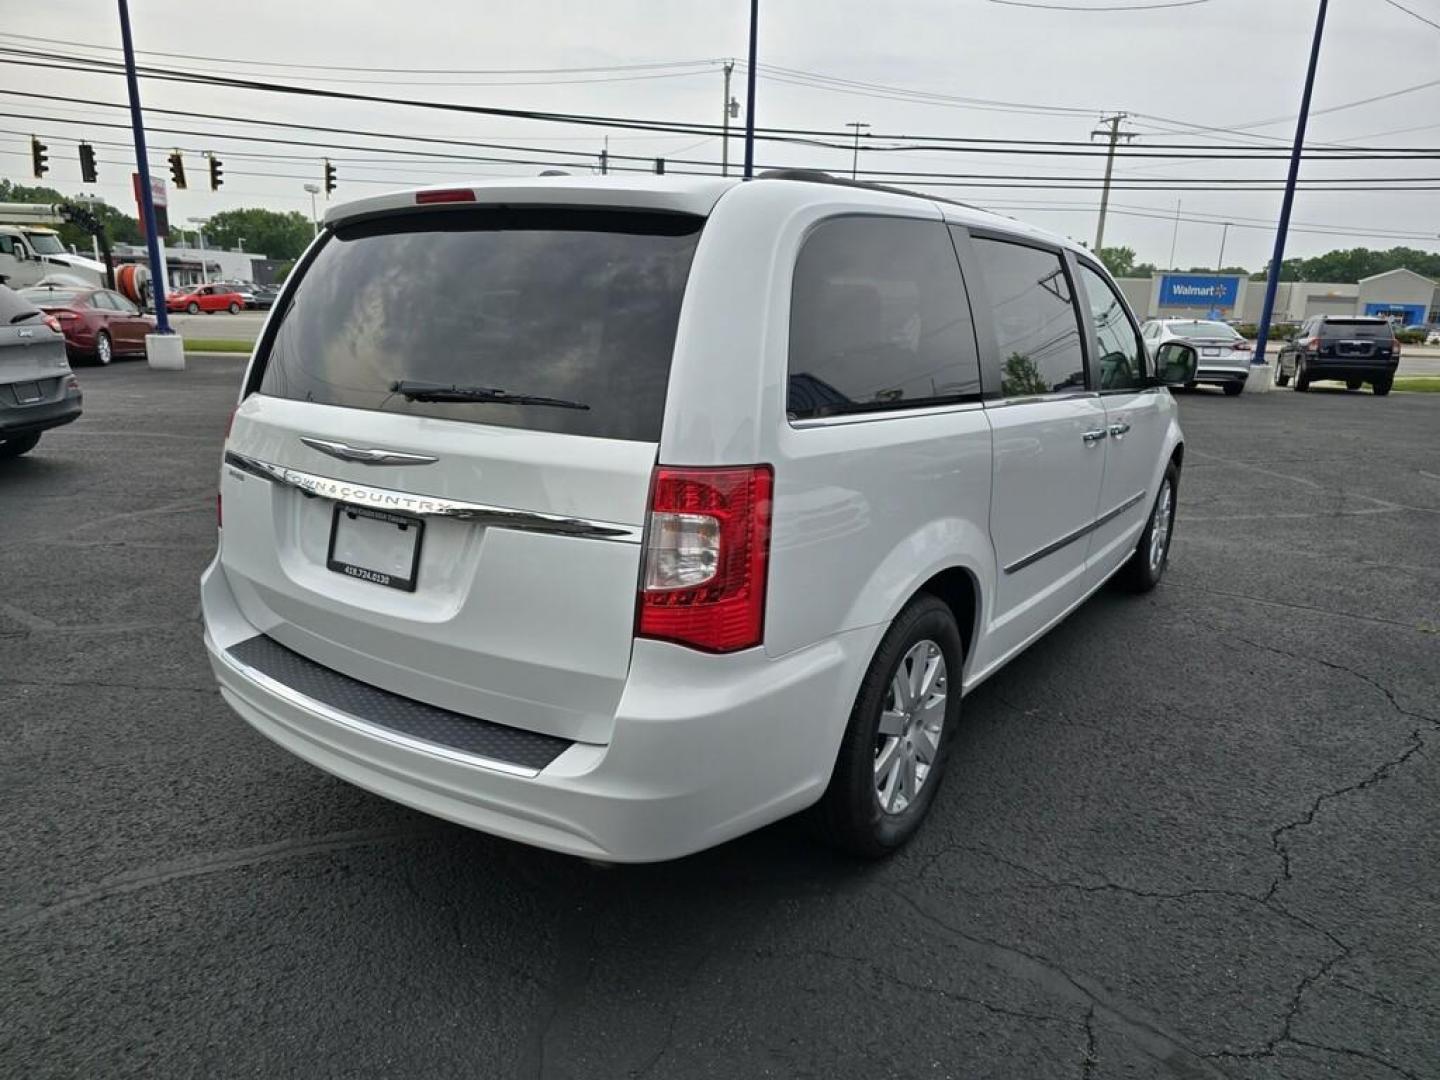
{"x":1234,"y":389}
{"x":1147,"y":565}
{"x":1302,"y":377}
{"x":104,"y":348}
{"x":1382,"y":386}
{"x":234,"y":308}
{"x":882,"y":788}
{"x":192,"y":308}
{"x":13,"y":448}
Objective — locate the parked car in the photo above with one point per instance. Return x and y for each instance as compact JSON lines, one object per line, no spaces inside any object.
{"x":207,"y":298}
{"x":622,"y":518}
{"x":38,"y":391}
{"x":244,"y":289}
{"x":1353,"y":349}
{"x":98,"y":324}
{"x":1225,"y":355}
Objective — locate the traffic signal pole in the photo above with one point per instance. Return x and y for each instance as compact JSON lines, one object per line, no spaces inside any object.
{"x":1277,"y":260}
{"x":159,"y":286}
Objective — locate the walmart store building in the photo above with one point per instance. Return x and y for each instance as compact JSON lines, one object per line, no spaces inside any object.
{"x":1402,"y":295}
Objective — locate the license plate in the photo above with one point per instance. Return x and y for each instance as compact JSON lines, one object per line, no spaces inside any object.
{"x":27,"y":393}
{"x":1209,"y":352}
{"x":375,"y":546}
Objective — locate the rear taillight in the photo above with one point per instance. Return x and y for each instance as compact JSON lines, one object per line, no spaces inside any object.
{"x":707,"y":557}
{"x":64,"y":316}
{"x":1241,"y":346}
{"x":1313,"y":344}
{"x":54,"y":324}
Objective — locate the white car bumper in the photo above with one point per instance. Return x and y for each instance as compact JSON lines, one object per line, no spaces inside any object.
{"x":705,"y":748}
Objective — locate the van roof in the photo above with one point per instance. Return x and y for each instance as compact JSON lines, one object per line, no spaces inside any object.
{"x":678,"y":194}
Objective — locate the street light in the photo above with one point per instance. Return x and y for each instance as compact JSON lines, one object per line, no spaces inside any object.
{"x":313,"y":189}
{"x":240,"y":240}
{"x":200,"y":223}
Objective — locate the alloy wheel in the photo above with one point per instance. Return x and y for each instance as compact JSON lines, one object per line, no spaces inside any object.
{"x":1160,"y":526}
{"x":103,"y":351}
{"x":911,"y":724}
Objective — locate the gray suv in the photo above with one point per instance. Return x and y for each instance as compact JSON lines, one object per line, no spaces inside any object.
{"x":37,"y":389}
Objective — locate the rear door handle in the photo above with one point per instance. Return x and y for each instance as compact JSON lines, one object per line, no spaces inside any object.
{"x":1093,"y":436}
{"x":1119,"y":430}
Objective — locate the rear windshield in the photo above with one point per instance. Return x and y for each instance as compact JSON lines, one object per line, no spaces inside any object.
{"x":14,"y":307}
{"x":1202,"y":329}
{"x":578,"y":305}
{"x":53,"y":297}
{"x":1357,"y":328}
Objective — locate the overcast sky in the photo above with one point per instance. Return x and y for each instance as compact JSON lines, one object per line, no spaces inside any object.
{"x":1217,"y":63}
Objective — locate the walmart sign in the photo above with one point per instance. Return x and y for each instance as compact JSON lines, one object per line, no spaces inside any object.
{"x":1198,"y":290}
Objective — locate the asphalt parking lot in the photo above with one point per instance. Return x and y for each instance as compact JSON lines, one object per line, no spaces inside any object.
{"x":1190,"y":835}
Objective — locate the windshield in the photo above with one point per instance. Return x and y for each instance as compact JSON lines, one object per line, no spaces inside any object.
{"x":45,"y":243}
{"x":569,"y":304}
{"x":1201,"y":328}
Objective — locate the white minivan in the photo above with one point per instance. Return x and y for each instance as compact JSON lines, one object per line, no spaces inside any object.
{"x":623,"y":516}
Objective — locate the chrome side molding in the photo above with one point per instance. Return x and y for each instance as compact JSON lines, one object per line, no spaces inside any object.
{"x":498,"y":517}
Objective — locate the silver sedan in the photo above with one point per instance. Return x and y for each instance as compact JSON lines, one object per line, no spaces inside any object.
{"x":1224,"y":355}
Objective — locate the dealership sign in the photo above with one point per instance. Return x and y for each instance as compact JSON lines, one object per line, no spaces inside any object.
{"x":1198,"y":290}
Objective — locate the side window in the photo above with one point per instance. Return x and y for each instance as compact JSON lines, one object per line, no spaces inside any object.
{"x":879,"y":319}
{"x":102,"y":301}
{"x":1119,"y":352}
{"x":121,"y":304}
{"x":1036,"y":326}
{"x":7,"y":245}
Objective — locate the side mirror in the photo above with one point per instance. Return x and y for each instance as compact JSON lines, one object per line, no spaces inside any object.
{"x":1175,"y":363}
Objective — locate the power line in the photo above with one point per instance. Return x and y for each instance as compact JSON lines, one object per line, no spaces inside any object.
{"x":1414,"y":14}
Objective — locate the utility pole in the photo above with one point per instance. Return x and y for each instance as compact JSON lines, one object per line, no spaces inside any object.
{"x":732,"y":110}
{"x":605,"y":157}
{"x":855,"y":155}
{"x":1277,"y":260}
{"x":1114,"y":135}
{"x":1224,"y":232}
{"x":159,"y":286}
{"x":750,"y":92}
{"x":1175,"y":234}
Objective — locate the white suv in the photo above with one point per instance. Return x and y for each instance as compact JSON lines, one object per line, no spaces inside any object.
{"x":624,"y":516}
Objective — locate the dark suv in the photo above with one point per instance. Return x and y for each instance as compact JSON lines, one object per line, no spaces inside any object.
{"x":1354,"y":350}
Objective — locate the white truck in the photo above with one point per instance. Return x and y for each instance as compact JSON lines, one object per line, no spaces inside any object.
{"x":30,"y":250}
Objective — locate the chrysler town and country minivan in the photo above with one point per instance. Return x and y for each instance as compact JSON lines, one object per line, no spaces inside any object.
{"x":624,"y":516}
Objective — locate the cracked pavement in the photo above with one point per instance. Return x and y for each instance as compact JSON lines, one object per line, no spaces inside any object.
{"x":1190,"y":835}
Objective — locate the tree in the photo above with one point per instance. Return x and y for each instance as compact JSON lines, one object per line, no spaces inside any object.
{"x":1348,"y":267}
{"x":270,"y":233}
{"x":1120,"y":261}
{"x":121,"y":228}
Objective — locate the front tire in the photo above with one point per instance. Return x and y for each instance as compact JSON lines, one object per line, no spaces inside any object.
{"x":1152,"y":554}
{"x":1302,"y":377}
{"x":1281,"y":379}
{"x":13,"y":448}
{"x":104,"y":348}
{"x":1354,"y":384}
{"x":192,"y":308}
{"x":234,"y":308}
{"x":892,"y":758}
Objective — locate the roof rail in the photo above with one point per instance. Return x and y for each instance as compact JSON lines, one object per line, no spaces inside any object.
{"x":819,"y":176}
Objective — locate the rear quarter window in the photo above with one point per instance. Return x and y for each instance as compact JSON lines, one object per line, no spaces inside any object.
{"x":571,"y":304}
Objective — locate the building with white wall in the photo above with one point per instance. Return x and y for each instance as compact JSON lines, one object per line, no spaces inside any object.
{"x":1401,"y":294}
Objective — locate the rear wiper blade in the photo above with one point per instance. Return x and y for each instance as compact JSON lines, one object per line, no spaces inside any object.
{"x":411,"y":390}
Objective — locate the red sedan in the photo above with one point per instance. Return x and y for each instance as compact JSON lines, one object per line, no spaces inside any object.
{"x":98,"y":324}
{"x":205,"y":298}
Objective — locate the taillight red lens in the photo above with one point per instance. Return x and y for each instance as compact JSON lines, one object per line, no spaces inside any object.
{"x":1313,"y":343}
{"x":54,"y":324}
{"x":1241,"y":346}
{"x":448,"y":195}
{"x":65,"y":316}
{"x":707,"y":557}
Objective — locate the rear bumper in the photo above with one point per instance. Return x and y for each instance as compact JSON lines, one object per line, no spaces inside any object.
{"x":1218,"y":376}
{"x":29,"y":419}
{"x":1329,"y":367}
{"x":705,"y":748}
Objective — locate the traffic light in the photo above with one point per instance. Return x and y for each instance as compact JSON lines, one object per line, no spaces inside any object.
{"x":216,"y":172}
{"x":177,"y":170}
{"x":38,"y":157}
{"x":87,"y":163}
{"x":329,"y":178}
